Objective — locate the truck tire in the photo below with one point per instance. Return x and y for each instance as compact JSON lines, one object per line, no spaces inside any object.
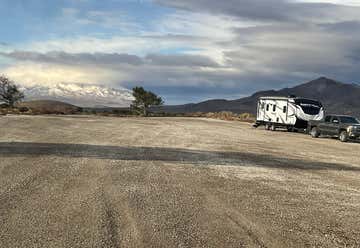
{"x":315,"y":132}
{"x":343,"y":136}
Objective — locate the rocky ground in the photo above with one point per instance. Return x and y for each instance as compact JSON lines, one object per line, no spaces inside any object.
{"x":173,"y":182}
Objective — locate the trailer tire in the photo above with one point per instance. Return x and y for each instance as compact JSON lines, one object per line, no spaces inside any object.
{"x":344,"y":137}
{"x":315,"y":132}
{"x":273,"y":128}
{"x":267,"y":126}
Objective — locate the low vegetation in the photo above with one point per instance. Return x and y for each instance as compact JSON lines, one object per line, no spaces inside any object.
{"x":230,"y":116}
{"x":223,"y":115}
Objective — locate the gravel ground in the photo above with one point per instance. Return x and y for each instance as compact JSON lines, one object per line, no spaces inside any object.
{"x":173,"y":182}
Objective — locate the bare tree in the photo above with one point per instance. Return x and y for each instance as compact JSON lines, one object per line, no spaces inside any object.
{"x":9,"y":92}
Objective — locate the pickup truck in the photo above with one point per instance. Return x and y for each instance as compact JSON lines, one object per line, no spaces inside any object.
{"x":342,"y":126}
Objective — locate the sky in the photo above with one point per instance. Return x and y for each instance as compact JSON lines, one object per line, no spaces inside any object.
{"x":184,"y":50}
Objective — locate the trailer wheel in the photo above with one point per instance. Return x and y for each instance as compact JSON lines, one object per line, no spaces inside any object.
{"x":344,"y":136}
{"x":267,"y":126}
{"x":273,"y":128}
{"x":315,"y":132}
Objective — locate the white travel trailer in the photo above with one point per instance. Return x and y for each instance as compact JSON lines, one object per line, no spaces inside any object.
{"x":287,"y":112}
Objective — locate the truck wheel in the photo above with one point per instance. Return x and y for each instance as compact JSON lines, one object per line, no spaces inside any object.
{"x":273,"y":128}
{"x":344,"y":136}
{"x":315,"y":132}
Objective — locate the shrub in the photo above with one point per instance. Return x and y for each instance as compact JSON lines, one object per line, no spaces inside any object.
{"x":23,"y":109}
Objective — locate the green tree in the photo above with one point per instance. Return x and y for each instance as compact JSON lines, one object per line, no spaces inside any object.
{"x":144,"y":99}
{"x":9,"y":92}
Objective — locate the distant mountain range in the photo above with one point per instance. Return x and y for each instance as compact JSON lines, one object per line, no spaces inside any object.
{"x":337,"y":98}
{"x":81,"y":95}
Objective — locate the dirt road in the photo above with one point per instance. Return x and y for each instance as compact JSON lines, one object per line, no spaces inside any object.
{"x":117,"y":182}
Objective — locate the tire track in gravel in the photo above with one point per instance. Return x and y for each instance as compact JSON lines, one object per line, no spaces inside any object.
{"x":29,"y":205}
{"x":117,"y":223}
{"x":108,"y":219}
{"x":242,"y":225}
{"x":245,"y":225}
{"x":247,"y":228}
{"x":205,"y":204}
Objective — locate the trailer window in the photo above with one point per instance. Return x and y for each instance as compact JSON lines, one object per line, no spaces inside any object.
{"x":311,"y":110}
{"x":309,"y":107}
{"x":284,"y":109}
{"x":274,"y":108}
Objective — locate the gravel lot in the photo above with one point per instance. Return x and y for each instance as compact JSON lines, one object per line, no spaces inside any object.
{"x":77,"y":181}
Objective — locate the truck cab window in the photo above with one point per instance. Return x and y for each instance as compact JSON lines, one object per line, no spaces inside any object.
{"x":348,"y":119}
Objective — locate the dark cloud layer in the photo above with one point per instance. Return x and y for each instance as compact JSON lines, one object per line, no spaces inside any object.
{"x":112,"y":59}
{"x":266,"y":10}
{"x":181,"y":60}
{"x":80,"y":58}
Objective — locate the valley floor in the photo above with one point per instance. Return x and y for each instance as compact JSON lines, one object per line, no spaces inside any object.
{"x":77,"y":181}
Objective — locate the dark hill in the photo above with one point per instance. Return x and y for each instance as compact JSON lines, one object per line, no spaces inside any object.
{"x":337,"y":97}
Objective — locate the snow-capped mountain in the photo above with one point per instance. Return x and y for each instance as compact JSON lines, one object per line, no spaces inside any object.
{"x":81,"y":95}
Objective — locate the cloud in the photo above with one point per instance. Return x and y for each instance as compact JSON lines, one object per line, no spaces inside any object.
{"x":29,"y":74}
{"x":338,"y":2}
{"x":181,"y":60}
{"x":111,"y":60}
{"x":73,"y":59}
{"x":153,"y":70}
{"x":268,"y":10}
{"x":343,"y":28}
{"x":138,"y":45}
{"x":110,"y":19}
